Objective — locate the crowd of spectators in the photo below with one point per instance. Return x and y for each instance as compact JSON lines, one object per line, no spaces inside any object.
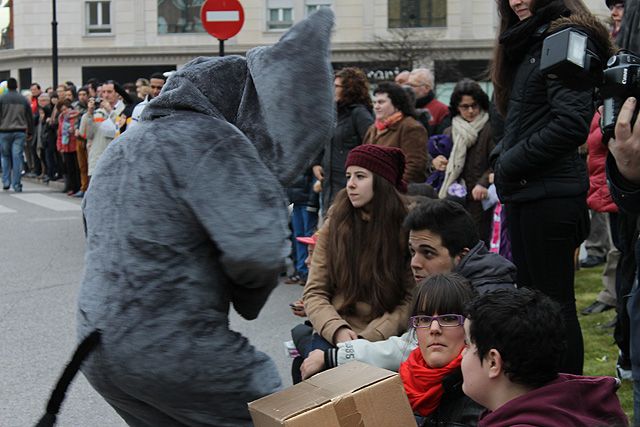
{"x":69,"y":128}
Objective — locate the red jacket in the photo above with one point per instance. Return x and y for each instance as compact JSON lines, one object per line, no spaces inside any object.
{"x":71,"y":129}
{"x":598,"y":198}
{"x":438,"y":111}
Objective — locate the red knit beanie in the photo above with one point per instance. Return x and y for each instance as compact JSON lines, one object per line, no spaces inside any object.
{"x":386,"y":162}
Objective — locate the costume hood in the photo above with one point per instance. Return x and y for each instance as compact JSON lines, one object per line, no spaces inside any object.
{"x":248,"y":92}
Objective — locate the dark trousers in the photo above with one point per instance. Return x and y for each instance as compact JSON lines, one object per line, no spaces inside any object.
{"x":72,"y":177}
{"x":544,"y":236}
{"x":626,"y":236}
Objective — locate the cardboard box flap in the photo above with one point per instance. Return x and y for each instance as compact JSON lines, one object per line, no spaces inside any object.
{"x":292,"y":401}
{"x":353,"y":376}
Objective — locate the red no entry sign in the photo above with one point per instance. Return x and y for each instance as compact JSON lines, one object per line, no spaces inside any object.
{"x":222,"y":19}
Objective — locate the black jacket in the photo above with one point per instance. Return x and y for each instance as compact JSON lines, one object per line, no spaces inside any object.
{"x":15,"y":113}
{"x":486,"y":270}
{"x":300,"y":192}
{"x":455,"y":409}
{"x":352,"y":124}
{"x":545,"y":124}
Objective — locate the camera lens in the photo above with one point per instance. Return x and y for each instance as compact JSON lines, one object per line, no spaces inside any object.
{"x":612,"y":61}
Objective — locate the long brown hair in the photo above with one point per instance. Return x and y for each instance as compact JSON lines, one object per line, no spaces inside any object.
{"x":368,"y":259}
{"x":503,"y":73}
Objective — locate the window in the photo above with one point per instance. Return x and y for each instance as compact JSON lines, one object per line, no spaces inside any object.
{"x":280,"y":18}
{"x":179,"y":16}
{"x":313,"y":5}
{"x":417,"y":13}
{"x":98,"y":17}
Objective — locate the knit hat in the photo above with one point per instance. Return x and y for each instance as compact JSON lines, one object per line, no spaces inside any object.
{"x":386,"y":162}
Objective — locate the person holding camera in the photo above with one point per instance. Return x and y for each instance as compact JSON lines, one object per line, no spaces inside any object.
{"x":539,"y":175}
{"x":623,"y":175}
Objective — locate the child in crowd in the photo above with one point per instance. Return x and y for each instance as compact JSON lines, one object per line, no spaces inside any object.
{"x":431,"y":375}
{"x":515,"y":343}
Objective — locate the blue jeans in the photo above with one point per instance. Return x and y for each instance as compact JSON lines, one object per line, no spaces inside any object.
{"x":12,"y":150}
{"x":303,"y":224}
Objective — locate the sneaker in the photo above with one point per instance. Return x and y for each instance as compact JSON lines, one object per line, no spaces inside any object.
{"x":79,"y":194}
{"x":592,"y":261}
{"x":623,"y":368}
{"x":596,"y":307}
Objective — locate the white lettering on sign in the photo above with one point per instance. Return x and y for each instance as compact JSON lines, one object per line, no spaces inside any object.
{"x":222,"y":16}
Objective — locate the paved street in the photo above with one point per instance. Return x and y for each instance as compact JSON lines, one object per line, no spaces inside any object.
{"x":41,"y":263}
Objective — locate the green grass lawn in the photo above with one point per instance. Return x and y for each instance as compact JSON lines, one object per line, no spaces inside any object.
{"x":600,"y":351}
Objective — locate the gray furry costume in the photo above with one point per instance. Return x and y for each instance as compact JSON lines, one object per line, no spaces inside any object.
{"x":186,"y":215}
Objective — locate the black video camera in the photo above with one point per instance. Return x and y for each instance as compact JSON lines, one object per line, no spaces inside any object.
{"x":569,"y":55}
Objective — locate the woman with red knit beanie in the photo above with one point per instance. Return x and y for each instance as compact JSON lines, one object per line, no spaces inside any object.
{"x":432,"y":375}
{"x":360,"y":284}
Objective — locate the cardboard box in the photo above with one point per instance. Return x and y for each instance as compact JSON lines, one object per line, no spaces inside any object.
{"x":352,"y":395}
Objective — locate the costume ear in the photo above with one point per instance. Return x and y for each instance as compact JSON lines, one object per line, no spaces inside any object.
{"x":289,"y":93}
{"x":494,"y":363}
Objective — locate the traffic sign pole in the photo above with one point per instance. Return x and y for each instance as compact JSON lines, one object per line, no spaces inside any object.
{"x":222,"y":19}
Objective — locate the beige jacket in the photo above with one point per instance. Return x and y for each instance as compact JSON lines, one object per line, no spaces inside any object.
{"x":322,"y":301}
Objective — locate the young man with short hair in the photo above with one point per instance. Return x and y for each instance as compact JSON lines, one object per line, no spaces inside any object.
{"x":515,"y":344}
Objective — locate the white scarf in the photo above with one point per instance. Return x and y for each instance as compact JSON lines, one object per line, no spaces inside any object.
{"x":464,"y":135}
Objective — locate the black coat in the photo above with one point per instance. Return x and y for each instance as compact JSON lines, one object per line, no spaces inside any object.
{"x":546,"y":122}
{"x":352,"y":124}
{"x":455,"y":409}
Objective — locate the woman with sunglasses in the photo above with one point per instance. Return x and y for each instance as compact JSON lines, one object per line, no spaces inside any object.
{"x":431,"y":375}
{"x":468,"y":163}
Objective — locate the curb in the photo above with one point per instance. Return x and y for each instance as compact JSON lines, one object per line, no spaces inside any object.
{"x":55,"y":185}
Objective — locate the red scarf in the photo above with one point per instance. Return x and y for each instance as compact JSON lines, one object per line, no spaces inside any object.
{"x":423,"y":384}
{"x":385,"y":123}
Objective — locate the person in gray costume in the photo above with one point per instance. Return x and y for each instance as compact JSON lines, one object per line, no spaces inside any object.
{"x":185,"y":216}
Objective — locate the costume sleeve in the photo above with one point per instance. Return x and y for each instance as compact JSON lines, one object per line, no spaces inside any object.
{"x":567,"y":129}
{"x":413,"y":142}
{"x":390,"y":323}
{"x":241,"y":206}
{"x":387,"y":354}
{"x":318,"y":293}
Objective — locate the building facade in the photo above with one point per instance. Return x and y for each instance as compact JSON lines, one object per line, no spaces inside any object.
{"x":126,"y":39}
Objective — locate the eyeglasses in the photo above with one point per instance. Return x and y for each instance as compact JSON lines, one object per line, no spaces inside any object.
{"x":473,"y":106}
{"x":444,"y":320}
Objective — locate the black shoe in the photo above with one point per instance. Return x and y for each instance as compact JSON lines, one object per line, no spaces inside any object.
{"x":592,"y":261}
{"x":5,"y":187}
{"x":596,"y":307}
{"x":610,"y":324}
